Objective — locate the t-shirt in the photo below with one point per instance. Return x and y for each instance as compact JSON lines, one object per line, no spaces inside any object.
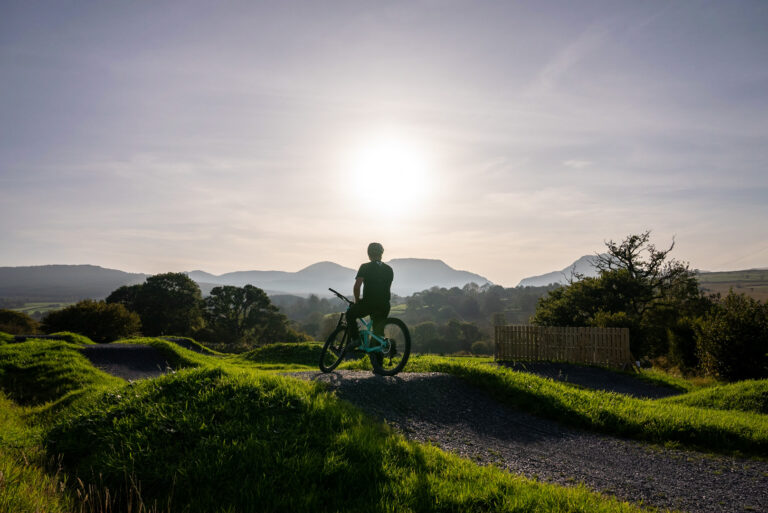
{"x":377,"y":278}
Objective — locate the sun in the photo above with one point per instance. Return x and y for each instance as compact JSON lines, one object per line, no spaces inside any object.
{"x":389,"y":175}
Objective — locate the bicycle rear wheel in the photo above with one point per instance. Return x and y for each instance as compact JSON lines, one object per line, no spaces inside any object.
{"x":397,"y":348}
{"x":334,"y":349}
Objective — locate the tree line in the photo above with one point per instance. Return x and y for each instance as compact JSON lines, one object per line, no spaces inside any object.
{"x":670,"y":319}
{"x":170,"y":304}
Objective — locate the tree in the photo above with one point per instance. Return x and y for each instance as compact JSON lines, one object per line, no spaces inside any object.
{"x":17,"y":323}
{"x":733,"y":339}
{"x":97,"y":320}
{"x":639,"y":287}
{"x":169,"y":304}
{"x":245,"y":315}
{"x":127,"y":295}
{"x":425,"y":337}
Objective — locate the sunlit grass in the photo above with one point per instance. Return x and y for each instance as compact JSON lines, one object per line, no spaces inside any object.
{"x":39,"y":371}
{"x":212,"y":440}
{"x":746,"y":396}
{"x":644,"y":419}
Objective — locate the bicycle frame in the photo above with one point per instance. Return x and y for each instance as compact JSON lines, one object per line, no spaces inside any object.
{"x":366,"y":334}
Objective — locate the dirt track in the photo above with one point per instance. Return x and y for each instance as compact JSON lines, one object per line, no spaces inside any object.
{"x":442,"y":409}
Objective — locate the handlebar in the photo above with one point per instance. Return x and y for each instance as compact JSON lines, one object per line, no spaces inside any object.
{"x":340,"y":296}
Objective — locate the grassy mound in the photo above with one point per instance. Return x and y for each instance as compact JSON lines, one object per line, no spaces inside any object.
{"x":24,"y":486}
{"x":5,"y":338}
{"x":73,"y":338}
{"x":660,"y":421}
{"x":304,"y":353}
{"x":208,"y":440}
{"x":192,"y":345}
{"x":747,"y":396}
{"x":38,"y":371}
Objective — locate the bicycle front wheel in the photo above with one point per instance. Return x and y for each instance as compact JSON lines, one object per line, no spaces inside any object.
{"x":396,"y":350}
{"x":334,"y":349}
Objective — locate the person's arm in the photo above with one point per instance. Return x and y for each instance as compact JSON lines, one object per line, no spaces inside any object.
{"x":358,"y":284}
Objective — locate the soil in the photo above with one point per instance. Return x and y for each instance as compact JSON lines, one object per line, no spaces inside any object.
{"x":443,"y":410}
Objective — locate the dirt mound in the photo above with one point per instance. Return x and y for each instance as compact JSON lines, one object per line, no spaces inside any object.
{"x":127,"y":361}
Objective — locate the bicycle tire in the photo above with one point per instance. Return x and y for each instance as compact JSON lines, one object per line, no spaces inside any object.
{"x":396,"y":333}
{"x":334,"y":349}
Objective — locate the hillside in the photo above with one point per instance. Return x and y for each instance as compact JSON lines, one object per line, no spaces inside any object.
{"x":63,"y":282}
{"x":752,"y":282}
{"x":73,"y":282}
{"x":584,"y":265}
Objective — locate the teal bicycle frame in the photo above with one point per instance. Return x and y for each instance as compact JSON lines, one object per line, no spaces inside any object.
{"x":366,"y":334}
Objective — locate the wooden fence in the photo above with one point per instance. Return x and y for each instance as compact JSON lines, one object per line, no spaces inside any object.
{"x":592,"y":346}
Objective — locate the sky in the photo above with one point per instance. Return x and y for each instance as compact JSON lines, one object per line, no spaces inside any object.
{"x":506,"y":138}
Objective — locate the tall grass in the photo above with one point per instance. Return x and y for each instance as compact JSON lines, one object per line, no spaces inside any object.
{"x":25,"y":487}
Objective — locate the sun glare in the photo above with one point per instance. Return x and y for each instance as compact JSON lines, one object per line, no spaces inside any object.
{"x":390,"y":176}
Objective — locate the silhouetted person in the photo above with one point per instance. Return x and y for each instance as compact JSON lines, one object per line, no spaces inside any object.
{"x":375,"y":278}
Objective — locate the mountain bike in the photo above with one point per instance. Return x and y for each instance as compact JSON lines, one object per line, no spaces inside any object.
{"x":388,"y":353}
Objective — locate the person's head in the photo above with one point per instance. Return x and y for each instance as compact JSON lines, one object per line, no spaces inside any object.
{"x":375,"y":251}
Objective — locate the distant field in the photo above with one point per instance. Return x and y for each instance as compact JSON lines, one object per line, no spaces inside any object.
{"x":753,"y":283}
{"x":43,"y":307}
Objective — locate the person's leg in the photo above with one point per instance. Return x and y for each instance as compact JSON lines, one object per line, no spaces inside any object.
{"x":354,"y":312}
{"x":379,"y":318}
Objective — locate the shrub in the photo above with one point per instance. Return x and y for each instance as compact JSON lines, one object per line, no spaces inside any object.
{"x":682,"y":344}
{"x":17,"y":323}
{"x":99,"y":321}
{"x":481,"y":347}
{"x":733,"y":339}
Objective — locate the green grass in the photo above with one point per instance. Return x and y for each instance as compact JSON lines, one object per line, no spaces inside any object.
{"x":746,"y":396}
{"x":305,"y":354}
{"x":73,"y":338}
{"x":42,"y":307}
{"x":225,"y":436}
{"x":5,"y":338}
{"x":659,"y":377}
{"x":25,"y":487}
{"x":39,"y":371}
{"x":211,"y":440}
{"x":192,"y":344}
{"x":730,"y":432}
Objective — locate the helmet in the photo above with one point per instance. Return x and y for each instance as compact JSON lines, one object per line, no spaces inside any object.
{"x":375,"y":250}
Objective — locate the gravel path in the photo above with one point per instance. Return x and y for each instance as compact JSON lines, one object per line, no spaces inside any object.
{"x":127,"y":361}
{"x":442,"y":409}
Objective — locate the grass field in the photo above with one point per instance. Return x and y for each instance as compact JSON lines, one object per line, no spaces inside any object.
{"x":193,"y":438}
{"x":42,"y":307}
{"x":753,"y":283}
{"x":226,"y":436}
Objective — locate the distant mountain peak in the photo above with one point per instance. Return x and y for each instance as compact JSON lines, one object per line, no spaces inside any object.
{"x":322,"y":266}
{"x":585,"y":265}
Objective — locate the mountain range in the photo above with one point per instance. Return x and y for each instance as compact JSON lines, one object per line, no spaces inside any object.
{"x":584,"y":266}
{"x":72,"y":282}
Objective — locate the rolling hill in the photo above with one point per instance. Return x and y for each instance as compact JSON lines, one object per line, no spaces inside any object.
{"x":74,"y":282}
